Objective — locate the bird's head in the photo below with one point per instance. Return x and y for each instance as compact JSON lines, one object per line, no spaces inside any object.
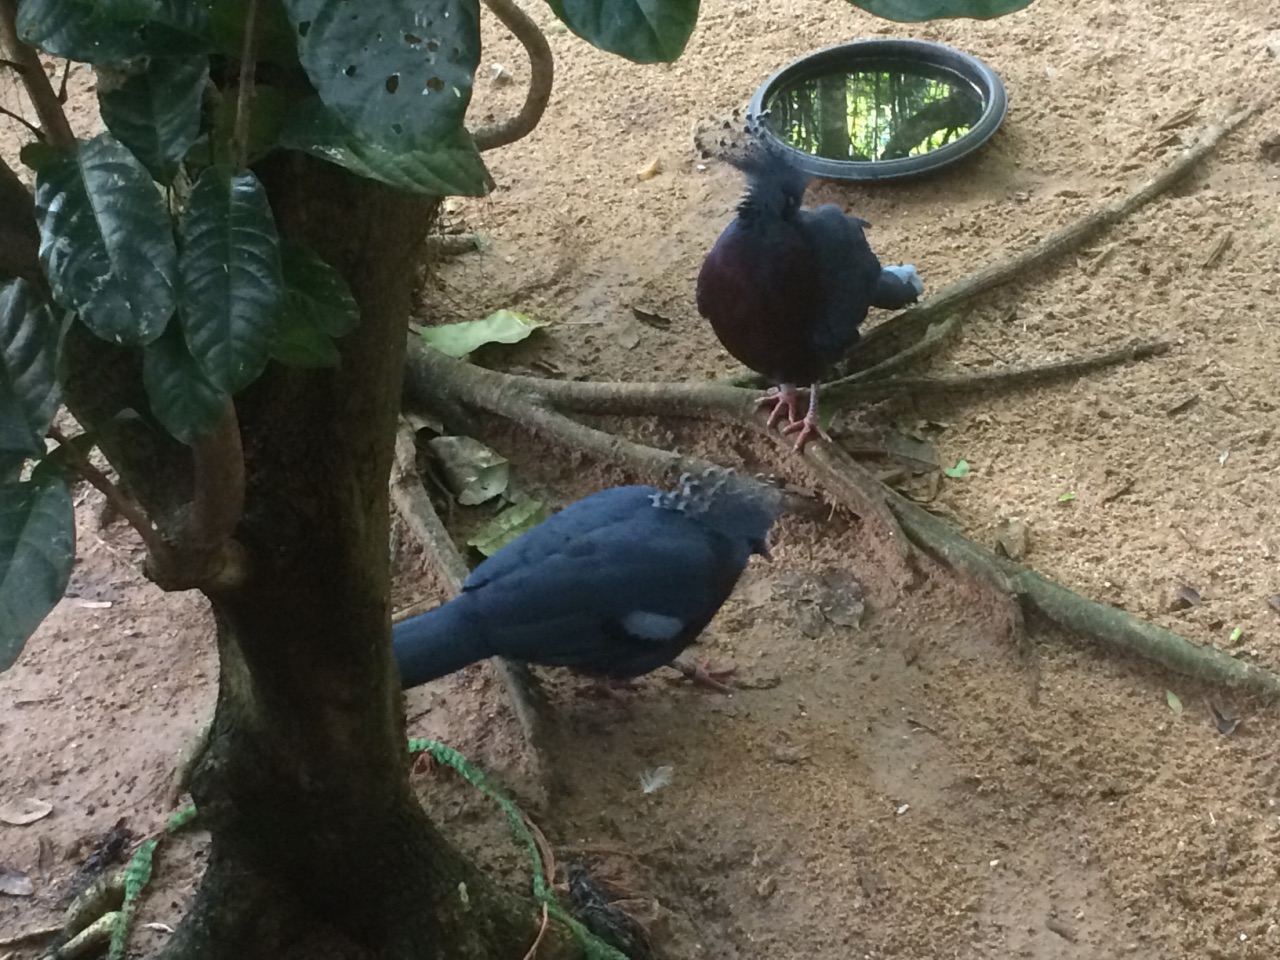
{"x":775,"y":187}
{"x":740,"y":508}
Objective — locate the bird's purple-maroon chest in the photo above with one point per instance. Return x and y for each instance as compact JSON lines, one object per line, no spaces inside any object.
{"x":760,"y":291}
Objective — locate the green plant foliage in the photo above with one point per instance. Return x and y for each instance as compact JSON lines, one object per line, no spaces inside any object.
{"x":113,"y":31}
{"x":449,"y":166}
{"x":268,"y":109}
{"x":646,"y":31}
{"x":181,"y":396}
{"x":37,"y":545}
{"x":521,"y":517}
{"x":232,"y":287}
{"x":501,"y":326}
{"x":398,"y":72}
{"x":911,"y":11}
{"x":28,"y":377}
{"x":275,"y":36}
{"x":318,"y":306}
{"x":106,"y":243}
{"x":156,"y":113}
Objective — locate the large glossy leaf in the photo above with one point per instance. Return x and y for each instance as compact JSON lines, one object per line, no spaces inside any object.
{"x":398,"y":72}
{"x":106,"y":242}
{"x":181,"y":396}
{"x":646,"y":31}
{"x":112,"y":31}
{"x":275,"y":38}
{"x":28,"y":379}
{"x":448,"y":166}
{"x":231,"y":281}
{"x":318,"y":306}
{"x":156,"y":112}
{"x":910,"y":11}
{"x":37,"y":546}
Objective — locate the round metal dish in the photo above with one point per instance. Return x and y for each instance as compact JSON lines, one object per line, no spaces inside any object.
{"x":879,"y":109}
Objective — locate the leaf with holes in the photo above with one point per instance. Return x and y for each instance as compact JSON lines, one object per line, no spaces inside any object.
{"x":396,"y":71}
{"x":156,"y":113}
{"x":231,"y":282}
{"x":112,"y":31}
{"x":182,"y":398}
{"x":106,"y":242}
{"x":448,"y":166}
{"x":645,"y":31}
{"x":911,"y":11}
{"x":37,"y":545}
{"x":28,"y":377}
{"x":318,"y":306}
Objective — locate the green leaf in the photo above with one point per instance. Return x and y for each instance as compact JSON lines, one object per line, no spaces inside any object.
{"x":28,"y":374}
{"x":106,"y":242}
{"x":472,"y":472}
{"x":1175,"y":704}
{"x":112,"y":31}
{"x":36,"y":154}
{"x":156,"y":113}
{"x":447,"y":166}
{"x":1236,"y":635}
{"x":459,"y":339}
{"x":911,"y":11}
{"x":1066,"y":497}
{"x":646,"y":31}
{"x":396,"y":71}
{"x":37,"y":545}
{"x":318,"y":306}
{"x":521,"y":516}
{"x":269,"y":107}
{"x":961,"y":469}
{"x":182,"y":398}
{"x":231,"y":280}
{"x":275,"y":35}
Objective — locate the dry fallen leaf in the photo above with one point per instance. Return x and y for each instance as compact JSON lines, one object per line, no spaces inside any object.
{"x":21,"y":812}
{"x":15,"y":882}
{"x":650,"y":170}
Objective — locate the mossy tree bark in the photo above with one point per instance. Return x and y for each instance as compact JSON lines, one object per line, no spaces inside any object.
{"x":304,"y":783}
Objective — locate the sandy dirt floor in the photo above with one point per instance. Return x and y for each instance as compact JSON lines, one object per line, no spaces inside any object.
{"x":888,"y":787}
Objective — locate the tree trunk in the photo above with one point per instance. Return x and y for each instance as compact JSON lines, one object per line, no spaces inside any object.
{"x":304,"y":784}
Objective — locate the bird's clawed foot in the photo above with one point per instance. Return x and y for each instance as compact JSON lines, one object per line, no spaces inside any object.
{"x":785,"y":399}
{"x":703,"y":676}
{"x":609,"y":688}
{"x":808,"y":428}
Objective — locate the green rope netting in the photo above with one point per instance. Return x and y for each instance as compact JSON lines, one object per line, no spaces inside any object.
{"x":138,"y":872}
{"x":592,"y":946}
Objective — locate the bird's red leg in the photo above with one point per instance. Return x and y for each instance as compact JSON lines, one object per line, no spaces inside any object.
{"x":809,"y":426}
{"x":784,"y":399}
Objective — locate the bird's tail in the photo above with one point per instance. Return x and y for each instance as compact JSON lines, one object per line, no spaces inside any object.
{"x":436,"y":643}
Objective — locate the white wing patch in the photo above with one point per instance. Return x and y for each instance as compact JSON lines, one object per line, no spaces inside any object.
{"x":652,"y":626}
{"x":907,"y":272}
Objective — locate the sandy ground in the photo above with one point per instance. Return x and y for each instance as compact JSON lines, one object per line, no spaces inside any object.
{"x":887,"y":789}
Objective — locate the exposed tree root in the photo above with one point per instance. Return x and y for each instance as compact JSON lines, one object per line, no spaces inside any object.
{"x":1108,"y":626}
{"x":544,"y":407}
{"x":889,"y":338}
{"x":411,"y":501}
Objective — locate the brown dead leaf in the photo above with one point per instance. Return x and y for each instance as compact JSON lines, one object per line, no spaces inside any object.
{"x":21,"y":812}
{"x":15,"y":883}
